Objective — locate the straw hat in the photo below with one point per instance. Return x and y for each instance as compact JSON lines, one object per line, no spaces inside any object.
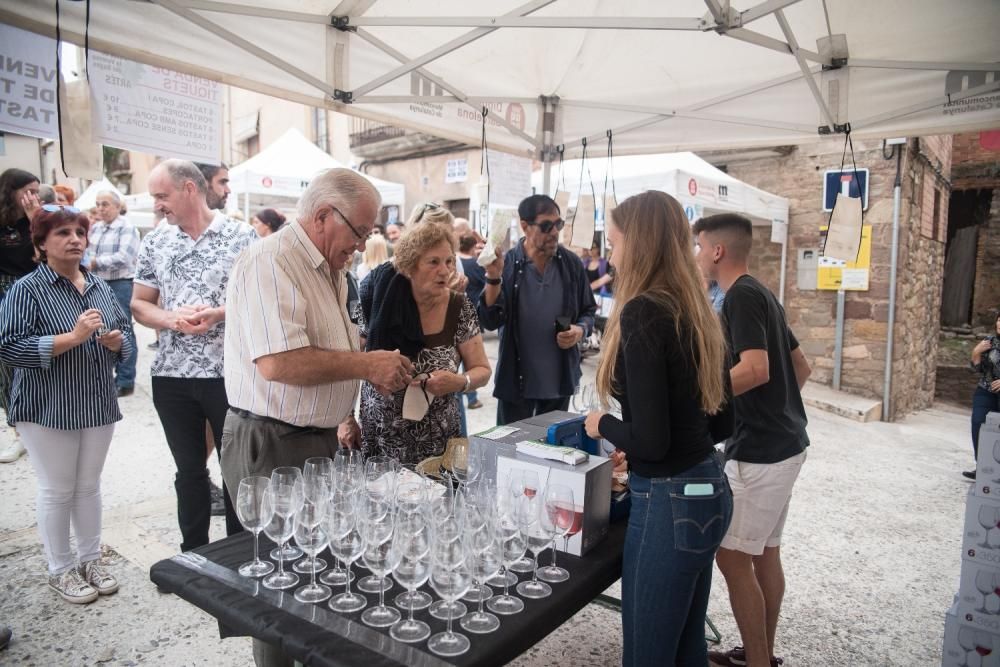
{"x":433,"y":466}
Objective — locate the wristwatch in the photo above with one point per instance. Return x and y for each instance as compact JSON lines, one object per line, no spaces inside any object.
{"x":494,"y":281}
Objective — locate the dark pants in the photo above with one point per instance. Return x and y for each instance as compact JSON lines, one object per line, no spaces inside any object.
{"x":513,"y":411}
{"x":184,"y":404}
{"x":983,"y":402}
{"x":125,"y":369}
{"x":674,"y":529}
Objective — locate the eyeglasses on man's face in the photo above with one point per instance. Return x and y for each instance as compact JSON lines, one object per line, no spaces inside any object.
{"x":347,"y":222}
{"x":548,"y":225}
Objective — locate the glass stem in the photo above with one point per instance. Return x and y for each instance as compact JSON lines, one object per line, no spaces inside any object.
{"x":448,"y":632}
{"x":281,"y":558}
{"x":312,"y":579}
{"x":553,"y":552}
{"x":256,"y":548}
{"x":413,"y":592}
{"x":347,"y":586}
{"x":481,"y":598}
{"x":534,"y":571}
{"x":566,"y":542}
{"x":506,"y":583}
{"x":381,"y":592}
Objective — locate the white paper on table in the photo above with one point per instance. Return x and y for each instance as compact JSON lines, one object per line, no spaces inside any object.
{"x":499,"y":229}
{"x":498,"y":432}
{"x":843,"y":238}
{"x":583,"y":222}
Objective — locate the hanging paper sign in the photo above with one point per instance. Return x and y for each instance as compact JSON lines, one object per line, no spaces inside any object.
{"x":843,"y":240}
{"x":835,"y":274}
{"x":562,"y":201}
{"x":155,"y":110}
{"x":510,"y":178}
{"x":609,"y":206}
{"x":27,"y":84}
{"x":499,"y":238}
{"x":583,"y":222}
{"x":779,"y":231}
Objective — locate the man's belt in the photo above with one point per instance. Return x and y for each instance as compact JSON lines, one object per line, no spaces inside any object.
{"x":246,"y":414}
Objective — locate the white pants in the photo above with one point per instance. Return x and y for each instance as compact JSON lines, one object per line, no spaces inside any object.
{"x":68,"y":465}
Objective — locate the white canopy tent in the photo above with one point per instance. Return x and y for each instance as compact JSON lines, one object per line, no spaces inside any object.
{"x":285,"y":168}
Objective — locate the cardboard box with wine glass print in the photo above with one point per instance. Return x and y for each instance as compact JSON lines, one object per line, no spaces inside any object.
{"x":987,"y":484}
{"x":964,"y":645}
{"x":981,"y":538}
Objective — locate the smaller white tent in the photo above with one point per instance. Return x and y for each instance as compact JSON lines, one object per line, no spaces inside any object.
{"x":285,"y":168}
{"x":88,"y":198}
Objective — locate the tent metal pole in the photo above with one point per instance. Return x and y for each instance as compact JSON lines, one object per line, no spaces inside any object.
{"x":693,"y":23}
{"x":443,"y":50}
{"x":906,"y":64}
{"x":260,"y":12}
{"x":838,"y":341}
{"x":817,"y":95}
{"x":618,"y":130}
{"x":893,"y":267}
{"x":784,"y":265}
{"x":246,"y":207}
{"x":928,"y":104}
{"x":763,"y":9}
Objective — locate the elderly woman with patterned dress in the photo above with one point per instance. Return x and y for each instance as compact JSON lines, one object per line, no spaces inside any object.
{"x":986,"y":399}
{"x":62,"y":330}
{"x":415,"y":312}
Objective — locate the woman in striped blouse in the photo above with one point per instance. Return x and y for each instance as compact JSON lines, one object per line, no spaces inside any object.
{"x":62,"y":330}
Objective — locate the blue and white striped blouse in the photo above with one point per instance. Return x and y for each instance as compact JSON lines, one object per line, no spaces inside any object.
{"x":76,"y":389}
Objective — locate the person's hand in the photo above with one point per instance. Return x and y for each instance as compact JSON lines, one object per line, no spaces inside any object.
{"x":591,"y":425}
{"x":349,"y":433}
{"x":443,"y":382}
{"x":567,"y":339}
{"x":112,"y":340}
{"x":29,"y":202}
{"x":495,"y":268}
{"x":458,"y":282}
{"x":995,"y":386}
{"x":982,"y":346}
{"x":196,"y":320}
{"x":618,"y":461}
{"x":387,"y":370}
{"x":88,"y":322}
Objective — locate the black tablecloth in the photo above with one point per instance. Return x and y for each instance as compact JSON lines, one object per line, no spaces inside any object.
{"x":314,"y":635}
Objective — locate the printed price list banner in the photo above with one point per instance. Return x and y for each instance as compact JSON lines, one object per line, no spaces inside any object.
{"x":155,"y":110}
{"x":27,"y":84}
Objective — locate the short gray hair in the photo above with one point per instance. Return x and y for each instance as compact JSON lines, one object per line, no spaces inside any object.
{"x":46,"y":195}
{"x":114,"y":195}
{"x":183,"y":170}
{"x":345,"y":187}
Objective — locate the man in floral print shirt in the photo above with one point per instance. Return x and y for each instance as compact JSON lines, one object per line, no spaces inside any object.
{"x":186,"y":265}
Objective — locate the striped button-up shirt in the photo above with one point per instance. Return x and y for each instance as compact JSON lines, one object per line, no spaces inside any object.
{"x":114,"y":247}
{"x":283,"y":296}
{"x":76,"y":389}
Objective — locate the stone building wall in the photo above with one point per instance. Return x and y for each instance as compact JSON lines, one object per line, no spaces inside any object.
{"x":798,"y":176}
{"x":976,"y":167}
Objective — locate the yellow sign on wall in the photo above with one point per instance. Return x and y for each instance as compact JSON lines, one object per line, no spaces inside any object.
{"x":835,"y":274}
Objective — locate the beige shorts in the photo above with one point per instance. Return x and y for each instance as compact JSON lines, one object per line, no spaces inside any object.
{"x":761,"y":495}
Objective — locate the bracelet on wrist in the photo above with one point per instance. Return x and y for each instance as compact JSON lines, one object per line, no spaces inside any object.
{"x":468,"y":383}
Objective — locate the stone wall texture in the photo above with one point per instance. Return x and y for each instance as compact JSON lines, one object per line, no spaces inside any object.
{"x":798,"y":176}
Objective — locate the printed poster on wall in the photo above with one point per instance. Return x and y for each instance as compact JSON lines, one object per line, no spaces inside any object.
{"x":27,"y":84}
{"x":155,"y":110}
{"x":835,"y":274}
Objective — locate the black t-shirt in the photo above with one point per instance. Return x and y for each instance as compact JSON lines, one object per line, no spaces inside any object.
{"x":770,"y":419}
{"x":663,"y":429}
{"x":16,"y":249}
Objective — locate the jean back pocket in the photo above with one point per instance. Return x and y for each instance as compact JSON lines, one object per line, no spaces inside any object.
{"x":702,"y":509}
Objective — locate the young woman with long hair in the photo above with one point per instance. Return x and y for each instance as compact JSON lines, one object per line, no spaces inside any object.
{"x":664,"y":362}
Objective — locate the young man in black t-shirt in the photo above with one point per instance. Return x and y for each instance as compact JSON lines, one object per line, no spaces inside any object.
{"x":767,"y":449}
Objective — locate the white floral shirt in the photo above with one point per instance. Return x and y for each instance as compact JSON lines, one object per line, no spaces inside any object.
{"x":190,"y":272}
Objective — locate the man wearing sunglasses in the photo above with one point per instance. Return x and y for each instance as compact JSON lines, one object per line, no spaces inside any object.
{"x":540,"y":296}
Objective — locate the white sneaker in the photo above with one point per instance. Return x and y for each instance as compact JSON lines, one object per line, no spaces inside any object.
{"x":11,"y":451}
{"x":99,"y":579}
{"x":71,"y":586}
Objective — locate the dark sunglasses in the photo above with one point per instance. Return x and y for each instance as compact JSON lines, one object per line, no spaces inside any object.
{"x":546,"y":227}
{"x":55,"y":208}
{"x":429,"y":206}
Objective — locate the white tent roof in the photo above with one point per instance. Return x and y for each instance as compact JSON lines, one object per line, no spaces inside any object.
{"x":662,"y":76}
{"x":88,"y":198}
{"x":285,"y":168}
{"x":700,"y":187}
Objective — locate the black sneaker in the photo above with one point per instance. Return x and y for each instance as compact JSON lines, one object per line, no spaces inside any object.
{"x":125,"y":391}
{"x":5,"y":635}
{"x":969,"y":474}
{"x":218,"y":503}
{"x":736,"y":657}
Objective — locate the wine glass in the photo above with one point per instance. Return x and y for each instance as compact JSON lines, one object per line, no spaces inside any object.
{"x":311,"y":536}
{"x":988,"y":520}
{"x":529,"y":511}
{"x":291,"y":478}
{"x":480,"y":499}
{"x":512,"y":547}
{"x":380,"y":477}
{"x":486,"y":556}
{"x":447,"y":532}
{"x":411,"y":495}
{"x":317,"y":485}
{"x":413,"y":540}
{"x":277,"y":503}
{"x":349,"y":459}
{"x":557,"y":516}
{"x":249,"y":501}
{"x":523,"y":483}
{"x":375,"y":513}
{"x":347,"y":544}
{"x":466,"y":465}
{"x":380,"y":558}
{"x":451,"y":576}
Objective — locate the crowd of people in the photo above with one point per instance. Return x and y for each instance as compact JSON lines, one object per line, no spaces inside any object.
{"x":270,"y":351}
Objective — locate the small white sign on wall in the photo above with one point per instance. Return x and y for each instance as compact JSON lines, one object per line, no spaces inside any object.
{"x":457,"y":171}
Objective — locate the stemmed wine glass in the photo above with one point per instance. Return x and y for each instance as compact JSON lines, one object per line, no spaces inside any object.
{"x":311,"y":536}
{"x":558,"y":516}
{"x":411,"y":498}
{"x":447,"y":532}
{"x":529,"y":511}
{"x":278,"y":505}
{"x":380,"y":477}
{"x":480,"y":501}
{"x":317,"y":485}
{"x":348,"y":481}
{"x":512,"y":547}
{"x":291,"y":478}
{"x":451,"y":576}
{"x":249,"y":509}
{"x":523,"y":483}
{"x":346,"y":543}
{"x":486,"y":556}
{"x":466,"y":465}
{"x":412,"y":542}
{"x":375,"y":512}
{"x":380,"y":557}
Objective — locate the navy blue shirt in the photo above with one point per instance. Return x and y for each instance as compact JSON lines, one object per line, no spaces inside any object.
{"x":76,"y":389}
{"x":537,"y":312}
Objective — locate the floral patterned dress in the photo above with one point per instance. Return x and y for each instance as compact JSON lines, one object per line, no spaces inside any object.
{"x":384,"y":432}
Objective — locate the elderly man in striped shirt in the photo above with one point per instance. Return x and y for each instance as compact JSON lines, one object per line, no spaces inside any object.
{"x":114,"y":247}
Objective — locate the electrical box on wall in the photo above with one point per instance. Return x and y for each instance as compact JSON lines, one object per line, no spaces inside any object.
{"x":807,"y":265}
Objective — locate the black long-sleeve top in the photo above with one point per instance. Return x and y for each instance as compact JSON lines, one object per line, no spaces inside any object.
{"x":663,"y":429}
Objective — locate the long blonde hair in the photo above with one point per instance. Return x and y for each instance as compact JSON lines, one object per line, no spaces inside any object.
{"x":376,"y":251}
{"x":656,"y":260}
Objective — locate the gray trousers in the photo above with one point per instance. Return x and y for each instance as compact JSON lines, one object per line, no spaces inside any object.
{"x":255,"y":446}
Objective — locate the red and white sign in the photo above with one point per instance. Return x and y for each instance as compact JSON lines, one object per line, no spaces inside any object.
{"x":693,"y":187}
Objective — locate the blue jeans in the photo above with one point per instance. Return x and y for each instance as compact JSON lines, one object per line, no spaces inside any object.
{"x":983,"y":402}
{"x":674,"y":529}
{"x":125,"y":369}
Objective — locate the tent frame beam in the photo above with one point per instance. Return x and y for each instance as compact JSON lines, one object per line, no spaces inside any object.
{"x":907,"y":64}
{"x":515,"y":21}
{"x":693,"y":114}
{"x":926,"y":104}
{"x":786,"y":29}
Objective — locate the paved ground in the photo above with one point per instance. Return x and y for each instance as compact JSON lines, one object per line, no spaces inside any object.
{"x":872,"y":554}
